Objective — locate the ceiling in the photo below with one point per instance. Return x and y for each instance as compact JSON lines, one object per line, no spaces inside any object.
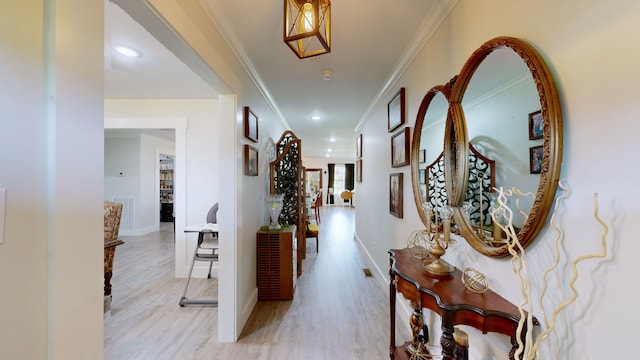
{"x":372,"y":42}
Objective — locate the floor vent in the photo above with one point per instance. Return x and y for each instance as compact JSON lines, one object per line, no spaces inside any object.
{"x":367,"y":272}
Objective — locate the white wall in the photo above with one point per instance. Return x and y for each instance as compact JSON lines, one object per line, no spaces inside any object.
{"x":51,"y":139}
{"x":196,"y":173}
{"x":136,"y":156}
{"x":149,"y":208}
{"x":122,"y":155}
{"x":592,"y":49}
{"x":239,"y":216}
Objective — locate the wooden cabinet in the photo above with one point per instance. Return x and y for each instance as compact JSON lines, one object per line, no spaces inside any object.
{"x":277,"y":263}
{"x":166,"y":212}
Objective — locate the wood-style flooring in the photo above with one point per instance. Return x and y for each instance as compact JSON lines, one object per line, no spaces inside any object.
{"x":337,"y":312}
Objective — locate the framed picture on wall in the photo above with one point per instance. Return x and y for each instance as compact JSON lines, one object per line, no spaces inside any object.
{"x":423,"y":176}
{"x":535,"y":159}
{"x":250,"y":160}
{"x":250,"y":125}
{"x":359,"y":146}
{"x":536,"y":125}
{"x":396,"y":111}
{"x":395,"y":194}
{"x":359,"y":170}
{"x":400,"y":148}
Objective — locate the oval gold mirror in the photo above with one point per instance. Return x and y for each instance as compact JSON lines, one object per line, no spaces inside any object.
{"x":507,"y":104}
{"x":431,"y":180}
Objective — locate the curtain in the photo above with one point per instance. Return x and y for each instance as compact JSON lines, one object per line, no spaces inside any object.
{"x":332,"y":169}
{"x":348,"y":176}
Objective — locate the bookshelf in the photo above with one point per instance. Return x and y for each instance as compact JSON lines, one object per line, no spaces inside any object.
{"x":166,"y":187}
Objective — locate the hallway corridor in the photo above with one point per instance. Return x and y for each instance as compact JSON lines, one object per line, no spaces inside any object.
{"x":337,"y":312}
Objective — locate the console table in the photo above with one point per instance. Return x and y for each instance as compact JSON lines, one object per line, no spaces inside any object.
{"x":447,"y":296}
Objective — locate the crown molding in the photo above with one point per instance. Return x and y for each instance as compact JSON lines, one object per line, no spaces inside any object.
{"x":232,"y":40}
{"x":418,"y":41}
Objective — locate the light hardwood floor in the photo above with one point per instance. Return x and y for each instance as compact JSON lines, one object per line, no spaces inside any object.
{"x":337,"y":312}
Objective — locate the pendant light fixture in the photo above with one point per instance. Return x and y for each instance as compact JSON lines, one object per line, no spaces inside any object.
{"x":307,"y":27}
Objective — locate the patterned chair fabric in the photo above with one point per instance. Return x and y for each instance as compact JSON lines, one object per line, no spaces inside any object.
{"x":112,"y":216}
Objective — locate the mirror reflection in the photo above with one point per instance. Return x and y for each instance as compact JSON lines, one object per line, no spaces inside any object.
{"x":507,"y":100}
{"x":502,"y":129}
{"x":427,"y":164}
{"x":497,"y":102}
{"x":313,"y":180}
{"x":431,"y":159}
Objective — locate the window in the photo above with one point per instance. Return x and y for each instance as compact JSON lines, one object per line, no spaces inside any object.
{"x":338,"y":180}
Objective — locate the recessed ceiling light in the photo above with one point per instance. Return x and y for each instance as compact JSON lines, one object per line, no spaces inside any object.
{"x":327,"y":155}
{"x":315,"y":117}
{"x":329,"y":150}
{"x":332,"y":139}
{"x":127,"y":51}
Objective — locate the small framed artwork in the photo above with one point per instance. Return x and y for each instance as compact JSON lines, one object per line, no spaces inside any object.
{"x":250,"y":125}
{"x":400,"y":148}
{"x":535,"y":159}
{"x":423,"y":176}
{"x":395,"y":194}
{"x":359,"y":170}
{"x":250,"y":160}
{"x":536,"y":125}
{"x":359,"y":147}
{"x":422,"y":156}
{"x":396,"y":111}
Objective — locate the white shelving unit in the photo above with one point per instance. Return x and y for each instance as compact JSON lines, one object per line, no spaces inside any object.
{"x":166,"y":187}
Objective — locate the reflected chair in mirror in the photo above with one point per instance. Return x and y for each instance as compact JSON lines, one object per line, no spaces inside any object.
{"x":206,"y":250}
{"x":313,"y":229}
{"x":112,"y":217}
{"x":315,"y":206}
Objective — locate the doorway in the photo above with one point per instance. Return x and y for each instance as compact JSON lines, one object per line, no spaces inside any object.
{"x":313,"y":181}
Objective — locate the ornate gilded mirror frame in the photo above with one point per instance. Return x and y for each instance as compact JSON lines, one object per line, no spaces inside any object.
{"x":552,"y":140}
{"x":457,"y":147}
{"x":453,"y":179}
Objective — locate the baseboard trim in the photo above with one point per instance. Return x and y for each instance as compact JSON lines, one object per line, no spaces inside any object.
{"x":404,"y":310}
{"x":137,"y":232}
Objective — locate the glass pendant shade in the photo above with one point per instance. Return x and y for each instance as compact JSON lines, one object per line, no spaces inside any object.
{"x":307,"y":27}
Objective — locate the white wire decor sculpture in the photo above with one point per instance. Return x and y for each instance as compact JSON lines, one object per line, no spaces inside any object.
{"x":503,"y":217}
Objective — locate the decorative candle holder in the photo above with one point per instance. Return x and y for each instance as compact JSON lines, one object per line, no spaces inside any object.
{"x":428,"y":209}
{"x":480,"y":180}
{"x":466,"y":209}
{"x":440,"y":244}
{"x":274,"y":205}
{"x":496,"y":213}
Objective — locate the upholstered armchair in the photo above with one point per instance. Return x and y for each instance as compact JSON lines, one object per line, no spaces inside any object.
{"x":112,"y":216}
